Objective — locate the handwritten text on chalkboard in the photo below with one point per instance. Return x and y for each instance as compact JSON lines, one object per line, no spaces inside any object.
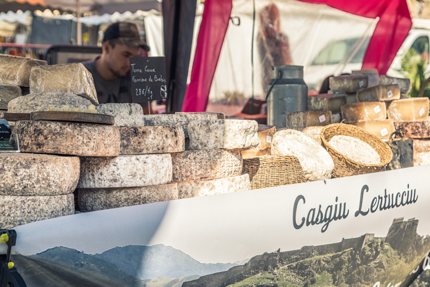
{"x":148,"y":79}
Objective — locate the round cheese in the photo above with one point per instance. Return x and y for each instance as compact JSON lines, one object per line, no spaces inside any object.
{"x":314,"y":159}
{"x":68,"y":138}
{"x":37,"y":174}
{"x":126,"y":171}
{"x":355,"y":149}
{"x":213,"y":187}
{"x":126,"y":115}
{"x":206,"y":164}
{"x":102,"y":198}
{"x":18,"y":210}
{"x":145,"y":140}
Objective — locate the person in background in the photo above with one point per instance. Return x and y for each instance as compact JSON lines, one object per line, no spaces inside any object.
{"x":111,"y":70}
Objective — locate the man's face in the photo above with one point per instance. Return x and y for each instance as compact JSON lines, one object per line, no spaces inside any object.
{"x":119,"y":58}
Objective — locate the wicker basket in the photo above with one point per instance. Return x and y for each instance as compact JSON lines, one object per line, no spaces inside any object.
{"x":345,"y":166}
{"x":267,"y":171}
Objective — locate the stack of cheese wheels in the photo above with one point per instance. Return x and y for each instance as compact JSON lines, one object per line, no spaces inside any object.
{"x":212,"y":163}
{"x":327,"y":103}
{"x":314,"y":159}
{"x":348,"y":85}
{"x":142,"y":173}
{"x":39,"y":182}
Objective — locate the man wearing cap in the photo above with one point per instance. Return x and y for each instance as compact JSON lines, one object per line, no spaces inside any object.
{"x":111,"y":70}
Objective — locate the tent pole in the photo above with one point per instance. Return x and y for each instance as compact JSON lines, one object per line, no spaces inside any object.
{"x":78,"y":23}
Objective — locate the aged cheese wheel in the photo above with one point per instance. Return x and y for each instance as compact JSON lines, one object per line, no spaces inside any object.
{"x":63,"y":78}
{"x":37,"y":174}
{"x":301,"y":120}
{"x":92,"y":199}
{"x":213,"y":187}
{"x":68,"y":138}
{"x":371,"y":74}
{"x":206,"y":164}
{"x":152,"y":139}
{"x":226,"y":134}
{"x":126,"y":171}
{"x":365,"y":111}
{"x":179,"y":119}
{"x":61,"y":102}
{"x":403,"y":83}
{"x":314,"y":159}
{"x":415,"y":129}
{"x":348,"y":83}
{"x":413,"y":109}
{"x":126,"y":115}
{"x":327,"y":102}
{"x":8,"y":93}
{"x":18,"y":210}
{"x":314,"y":132}
{"x":379,"y":93}
{"x":383,"y":129}
{"x":16,"y":70}
{"x":421,"y":152}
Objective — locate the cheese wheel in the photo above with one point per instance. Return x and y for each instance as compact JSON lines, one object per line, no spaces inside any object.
{"x":63,"y":102}
{"x":105,"y":198}
{"x":126,"y":115}
{"x":16,"y":70}
{"x":314,"y":159}
{"x":348,"y":83}
{"x":383,"y":129}
{"x":18,"y":210}
{"x":206,"y":164}
{"x":421,"y":152}
{"x":156,"y":139}
{"x":301,"y":120}
{"x":8,"y":93}
{"x":371,"y":74}
{"x":415,"y":129}
{"x":413,"y":109}
{"x":327,"y":102}
{"x":63,"y":78}
{"x":403,"y":83}
{"x":379,"y":93}
{"x":213,"y":187}
{"x":68,"y":138}
{"x":364,"y":111}
{"x":179,"y":119}
{"x":37,"y":174}
{"x":225,"y":134}
{"x":126,"y":171}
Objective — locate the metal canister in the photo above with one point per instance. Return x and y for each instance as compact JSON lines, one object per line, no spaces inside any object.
{"x":287,"y":93}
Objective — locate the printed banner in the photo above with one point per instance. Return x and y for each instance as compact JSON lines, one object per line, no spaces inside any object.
{"x":367,"y":230}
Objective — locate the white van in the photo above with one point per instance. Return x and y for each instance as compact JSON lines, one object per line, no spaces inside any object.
{"x":346,"y":55}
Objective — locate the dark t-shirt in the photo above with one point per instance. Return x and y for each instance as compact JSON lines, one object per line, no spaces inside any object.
{"x":114,"y":91}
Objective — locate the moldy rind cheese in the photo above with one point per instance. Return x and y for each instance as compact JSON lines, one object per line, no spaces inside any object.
{"x":379,"y":93}
{"x":327,"y":102}
{"x":301,"y":120}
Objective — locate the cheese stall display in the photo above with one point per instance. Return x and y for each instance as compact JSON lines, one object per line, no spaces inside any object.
{"x":77,"y":155}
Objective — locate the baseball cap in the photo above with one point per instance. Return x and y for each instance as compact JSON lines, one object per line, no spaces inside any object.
{"x":125,"y":32}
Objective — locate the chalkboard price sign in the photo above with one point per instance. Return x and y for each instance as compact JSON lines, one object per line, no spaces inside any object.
{"x":148,"y":79}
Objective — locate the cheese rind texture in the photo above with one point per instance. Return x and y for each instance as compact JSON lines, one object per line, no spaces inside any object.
{"x":379,"y":93}
{"x":63,"y":78}
{"x":213,"y":187}
{"x":364,"y":111}
{"x":46,"y":102}
{"x":151,"y":139}
{"x":106,"y":198}
{"x":37,"y":174}
{"x":223,"y":134}
{"x":126,"y":171}
{"x":327,"y":102}
{"x":403,"y":83}
{"x":18,"y":210}
{"x":65,"y":138}
{"x":206,"y":164}
{"x":383,"y":129}
{"x":16,"y":70}
{"x":413,"y":109}
{"x":348,"y":83}
{"x":301,"y":120}
{"x":414,"y":130}
{"x":8,"y":93}
{"x":126,"y":114}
